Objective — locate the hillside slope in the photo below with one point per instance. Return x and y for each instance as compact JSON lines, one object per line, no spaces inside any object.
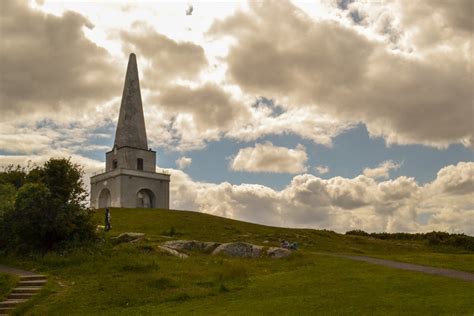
{"x":136,"y":279}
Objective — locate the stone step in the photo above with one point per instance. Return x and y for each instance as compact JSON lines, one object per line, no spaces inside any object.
{"x":29,"y":289}
{"x":32,"y":283}
{"x":33,"y":277}
{"x":16,"y":296}
{"x":11,"y":303}
{"x":6,"y":310}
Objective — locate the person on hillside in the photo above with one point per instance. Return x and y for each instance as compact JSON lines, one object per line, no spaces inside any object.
{"x":108,"y":218}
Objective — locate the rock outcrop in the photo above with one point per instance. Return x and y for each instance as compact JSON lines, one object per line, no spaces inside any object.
{"x":192,"y":245}
{"x":172,"y":252}
{"x":128,"y":237}
{"x":239,"y":250}
{"x":233,"y":249}
{"x":277,"y":252}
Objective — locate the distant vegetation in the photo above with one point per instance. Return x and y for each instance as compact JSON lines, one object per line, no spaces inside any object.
{"x":460,"y":241}
{"x":43,"y":208}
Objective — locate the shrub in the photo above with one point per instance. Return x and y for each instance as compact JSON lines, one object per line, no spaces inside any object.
{"x":49,"y":210}
{"x":460,"y":241}
{"x":357,"y":232}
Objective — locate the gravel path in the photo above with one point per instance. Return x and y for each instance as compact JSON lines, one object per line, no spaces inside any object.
{"x":15,"y":271}
{"x":455,"y":274}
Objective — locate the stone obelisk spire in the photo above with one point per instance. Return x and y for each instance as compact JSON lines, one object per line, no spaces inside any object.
{"x":131,"y":131}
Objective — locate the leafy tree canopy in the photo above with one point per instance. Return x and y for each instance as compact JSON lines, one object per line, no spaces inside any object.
{"x":44,"y":207}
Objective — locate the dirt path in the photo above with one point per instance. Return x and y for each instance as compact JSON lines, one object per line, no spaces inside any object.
{"x":455,"y":274}
{"x":18,"y":272}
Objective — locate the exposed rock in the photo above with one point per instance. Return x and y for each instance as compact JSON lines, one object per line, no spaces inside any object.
{"x":277,"y":252}
{"x":172,"y":252}
{"x":129,"y":237}
{"x":192,"y":245}
{"x":239,"y":249}
{"x":234,"y":249}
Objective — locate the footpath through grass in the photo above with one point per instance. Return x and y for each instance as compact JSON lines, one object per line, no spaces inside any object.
{"x":136,"y":279}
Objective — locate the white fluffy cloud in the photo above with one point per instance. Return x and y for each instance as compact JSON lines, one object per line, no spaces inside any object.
{"x":338,"y":203}
{"x":321,"y":169}
{"x":269,"y":158}
{"x":183,"y":162}
{"x":382,"y":171}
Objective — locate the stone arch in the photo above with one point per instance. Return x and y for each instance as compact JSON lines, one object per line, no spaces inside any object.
{"x":104,"y":198}
{"x":145,"y":199}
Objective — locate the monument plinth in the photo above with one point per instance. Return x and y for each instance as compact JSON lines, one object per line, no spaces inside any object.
{"x":130,"y":178}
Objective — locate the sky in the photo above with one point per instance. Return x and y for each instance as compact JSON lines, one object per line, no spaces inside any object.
{"x":330,"y":114}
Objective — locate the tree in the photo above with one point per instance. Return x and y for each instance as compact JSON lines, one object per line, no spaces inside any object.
{"x":49,"y":209}
{"x":7,"y":198}
{"x":63,"y":179}
{"x":14,"y":175}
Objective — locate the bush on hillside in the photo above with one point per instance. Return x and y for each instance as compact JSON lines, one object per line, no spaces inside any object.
{"x":460,"y":241}
{"x":49,"y":209}
{"x":357,"y":232}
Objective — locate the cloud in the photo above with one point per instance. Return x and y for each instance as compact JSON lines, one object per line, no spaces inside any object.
{"x":24,"y":143}
{"x":321,"y":169}
{"x":209,"y":105}
{"x":436,"y":21}
{"x":90,"y":165}
{"x":48,"y":65}
{"x":422,"y":98}
{"x":183,"y":162}
{"x":269,"y":158}
{"x":186,"y":118}
{"x":266,"y":118}
{"x":455,"y":180}
{"x":337,"y":203}
{"x":382,"y":171}
{"x":169,"y":59}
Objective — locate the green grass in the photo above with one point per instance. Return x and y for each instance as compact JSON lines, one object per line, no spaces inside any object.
{"x":7,"y":283}
{"x":136,"y":279}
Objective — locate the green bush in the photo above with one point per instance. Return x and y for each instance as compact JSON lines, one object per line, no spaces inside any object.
{"x":49,"y":209}
{"x":357,"y":232}
{"x":459,"y":241}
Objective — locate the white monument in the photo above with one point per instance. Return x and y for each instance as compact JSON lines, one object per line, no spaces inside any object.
{"x":130,"y":178}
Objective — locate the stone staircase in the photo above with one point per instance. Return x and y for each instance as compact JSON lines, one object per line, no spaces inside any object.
{"x":28,"y":286}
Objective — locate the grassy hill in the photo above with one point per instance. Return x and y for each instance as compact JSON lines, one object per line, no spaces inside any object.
{"x":136,"y":279}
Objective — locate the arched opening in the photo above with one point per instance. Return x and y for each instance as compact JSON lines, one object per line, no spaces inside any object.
{"x":145,"y":199}
{"x":104,"y":198}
